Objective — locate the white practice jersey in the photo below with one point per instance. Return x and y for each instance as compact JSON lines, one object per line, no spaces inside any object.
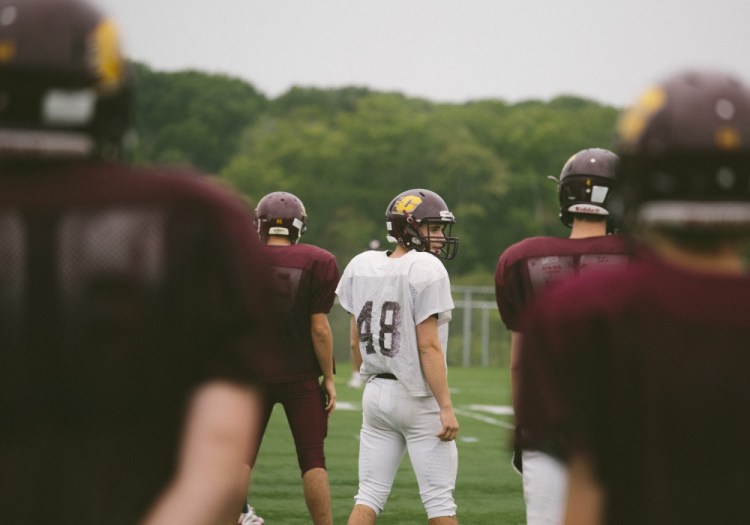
{"x":389,"y":297}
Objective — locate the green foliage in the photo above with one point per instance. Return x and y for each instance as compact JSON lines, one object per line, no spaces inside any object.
{"x":326,"y":101}
{"x":191,"y":117}
{"x":346,"y":153}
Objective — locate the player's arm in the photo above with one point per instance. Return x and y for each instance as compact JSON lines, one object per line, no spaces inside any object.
{"x":585,"y":494}
{"x":433,"y":365}
{"x":222,"y":424}
{"x":515,"y":367}
{"x":322,"y":339}
{"x":354,"y":344}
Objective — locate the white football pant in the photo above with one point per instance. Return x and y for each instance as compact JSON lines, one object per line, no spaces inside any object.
{"x":392,"y":422}
{"x":545,"y":488}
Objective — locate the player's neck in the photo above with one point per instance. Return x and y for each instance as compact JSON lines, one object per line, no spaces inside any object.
{"x":400,"y":251}
{"x":582,"y":229}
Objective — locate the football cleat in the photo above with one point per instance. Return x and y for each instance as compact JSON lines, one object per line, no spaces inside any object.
{"x":250,"y":518}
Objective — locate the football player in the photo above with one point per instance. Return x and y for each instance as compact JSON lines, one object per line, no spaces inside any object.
{"x":585,"y":187}
{"x":305,"y":282}
{"x":131,"y":327}
{"x":641,"y":377}
{"x":400,"y":303}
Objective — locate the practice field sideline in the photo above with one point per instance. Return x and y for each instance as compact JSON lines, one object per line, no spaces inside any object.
{"x":488,"y":492}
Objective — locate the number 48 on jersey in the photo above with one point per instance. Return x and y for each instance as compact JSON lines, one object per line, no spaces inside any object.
{"x":389,"y":340}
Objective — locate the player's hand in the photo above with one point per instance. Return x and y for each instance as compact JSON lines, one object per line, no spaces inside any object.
{"x":450,"y":424}
{"x":329,"y":394}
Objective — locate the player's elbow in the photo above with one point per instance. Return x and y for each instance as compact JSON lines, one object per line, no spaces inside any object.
{"x":320,"y":328}
{"x":430,"y":351}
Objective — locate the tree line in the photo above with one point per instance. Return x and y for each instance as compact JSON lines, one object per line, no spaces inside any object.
{"x":346,"y":152}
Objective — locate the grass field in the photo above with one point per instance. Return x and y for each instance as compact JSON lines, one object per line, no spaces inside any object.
{"x":488,"y":490}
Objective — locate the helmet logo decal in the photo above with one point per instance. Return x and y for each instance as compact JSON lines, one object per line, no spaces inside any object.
{"x":587,"y":209}
{"x":724,"y":109}
{"x":8,"y":15}
{"x":728,"y":138}
{"x":8,"y":47}
{"x":725,"y":178}
{"x":105,"y":57}
{"x":635,"y":119}
{"x":7,"y":51}
{"x":278,"y":230}
{"x":407,"y":204}
{"x":599,"y":194}
{"x":69,"y":107}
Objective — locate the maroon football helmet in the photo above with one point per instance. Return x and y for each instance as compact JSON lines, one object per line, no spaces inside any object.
{"x":409,"y":210}
{"x":685,"y":150}
{"x":586,"y":183}
{"x":66,"y":94}
{"x":281,"y":213}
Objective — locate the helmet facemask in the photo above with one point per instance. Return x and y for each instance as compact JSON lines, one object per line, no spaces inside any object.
{"x":434,"y":236}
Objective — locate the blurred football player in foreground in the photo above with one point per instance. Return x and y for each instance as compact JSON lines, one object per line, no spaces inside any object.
{"x":585,"y":188}
{"x":305,"y":283}
{"x":128,"y":328}
{"x":400,"y":302}
{"x":640,"y":379}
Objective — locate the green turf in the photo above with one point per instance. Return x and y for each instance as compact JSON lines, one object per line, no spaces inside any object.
{"x":488,"y":491}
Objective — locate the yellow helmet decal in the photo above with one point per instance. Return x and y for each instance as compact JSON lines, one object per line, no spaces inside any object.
{"x":7,"y":51}
{"x":728,"y":138}
{"x":106,"y":57}
{"x":407,"y":204}
{"x":634,"y":120}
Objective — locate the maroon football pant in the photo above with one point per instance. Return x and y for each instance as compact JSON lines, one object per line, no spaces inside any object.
{"x":304,"y":405}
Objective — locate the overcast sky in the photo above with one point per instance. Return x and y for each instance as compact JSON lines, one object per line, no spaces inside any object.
{"x":442,"y":50}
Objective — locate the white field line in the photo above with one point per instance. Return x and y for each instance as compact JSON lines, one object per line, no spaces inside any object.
{"x":497,"y":410}
{"x":485,"y":419}
{"x":345,"y":405}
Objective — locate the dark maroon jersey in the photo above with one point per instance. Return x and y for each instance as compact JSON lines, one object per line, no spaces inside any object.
{"x":530,"y":266}
{"x":121,"y":291}
{"x":647,"y":372}
{"x":305,"y":277}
